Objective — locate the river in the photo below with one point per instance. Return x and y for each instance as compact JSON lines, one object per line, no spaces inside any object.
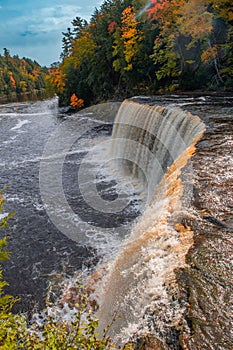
{"x":56,"y":235}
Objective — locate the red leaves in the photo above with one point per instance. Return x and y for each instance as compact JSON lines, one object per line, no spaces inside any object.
{"x":111,"y":26}
{"x":157,"y":5}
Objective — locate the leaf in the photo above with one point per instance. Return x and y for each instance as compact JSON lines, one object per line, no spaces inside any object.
{"x":76,"y":102}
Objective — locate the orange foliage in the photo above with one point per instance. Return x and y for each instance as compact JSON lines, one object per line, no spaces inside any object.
{"x":35,"y":73}
{"x":76,"y":102}
{"x":13,"y":82}
{"x":127,"y":39}
{"x":209,"y":54}
{"x":56,"y":78}
{"x":131,"y":36}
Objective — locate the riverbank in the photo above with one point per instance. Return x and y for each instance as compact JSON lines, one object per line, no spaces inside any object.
{"x":34,"y":95}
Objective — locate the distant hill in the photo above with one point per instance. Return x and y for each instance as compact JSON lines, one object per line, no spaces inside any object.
{"x":20,"y":78}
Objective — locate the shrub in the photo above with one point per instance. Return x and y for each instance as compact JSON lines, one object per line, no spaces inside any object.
{"x":8,"y":321}
{"x":76,"y":102}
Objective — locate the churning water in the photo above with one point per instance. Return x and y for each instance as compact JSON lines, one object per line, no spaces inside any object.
{"x":77,"y":192}
{"x":152,"y":144}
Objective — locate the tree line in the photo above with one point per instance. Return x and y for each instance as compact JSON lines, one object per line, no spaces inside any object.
{"x":20,"y":76}
{"x":132,"y":46}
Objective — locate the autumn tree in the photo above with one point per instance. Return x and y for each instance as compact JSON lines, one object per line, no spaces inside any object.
{"x":76,"y":102}
{"x":102,"y":77}
{"x":127,"y":47}
{"x":127,"y":39}
{"x":74,"y":69}
{"x":189,"y":41}
{"x":12,"y":80}
{"x":84,"y":48}
{"x":166,"y":59}
{"x":197,"y":23}
{"x":56,"y":80}
{"x":131,"y":47}
{"x":18,"y":76}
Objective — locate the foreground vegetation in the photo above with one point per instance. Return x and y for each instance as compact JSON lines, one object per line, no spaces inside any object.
{"x":20,"y":77}
{"x":132,"y":46}
{"x":55,"y":328}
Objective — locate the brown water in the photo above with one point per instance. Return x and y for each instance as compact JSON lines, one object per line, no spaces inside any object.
{"x":173,"y":277}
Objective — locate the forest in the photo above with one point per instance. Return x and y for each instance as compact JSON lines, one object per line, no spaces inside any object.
{"x":20,"y":77}
{"x":132,"y":47}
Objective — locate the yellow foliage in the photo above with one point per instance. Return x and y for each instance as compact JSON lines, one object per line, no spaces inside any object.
{"x":131,"y":36}
{"x":209,"y":54}
{"x":224,"y":9}
{"x":127,"y":38}
{"x":196,"y":21}
{"x":56,"y":79}
{"x":23,"y":86}
{"x":84,"y":48}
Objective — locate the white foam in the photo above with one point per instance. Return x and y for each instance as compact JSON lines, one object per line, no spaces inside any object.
{"x":20,"y":124}
{"x":9,"y":115}
{"x":3,"y":215}
{"x":11,"y":140}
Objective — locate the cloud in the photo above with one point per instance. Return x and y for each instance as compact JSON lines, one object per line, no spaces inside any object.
{"x":28,"y":33}
{"x":45,"y":19}
{"x":35,"y":29}
{"x":55,"y":18}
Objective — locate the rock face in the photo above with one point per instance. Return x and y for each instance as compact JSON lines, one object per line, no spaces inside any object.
{"x":206,"y":284}
{"x":208,"y":280}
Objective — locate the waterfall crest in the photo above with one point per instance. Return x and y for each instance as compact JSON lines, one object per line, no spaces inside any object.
{"x":151,"y":144}
{"x":146,"y":140}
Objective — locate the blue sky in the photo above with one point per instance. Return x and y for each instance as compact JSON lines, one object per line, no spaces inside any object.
{"x":33,"y":28}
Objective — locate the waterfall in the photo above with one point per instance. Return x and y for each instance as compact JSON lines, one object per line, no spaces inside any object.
{"x":146,"y":140}
{"x":152,"y":145}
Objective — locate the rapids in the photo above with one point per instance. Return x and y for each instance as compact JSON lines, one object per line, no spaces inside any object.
{"x":168,"y":272}
{"x":151,"y":144}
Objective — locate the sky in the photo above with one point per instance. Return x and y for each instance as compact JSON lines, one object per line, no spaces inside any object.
{"x":33,"y":28}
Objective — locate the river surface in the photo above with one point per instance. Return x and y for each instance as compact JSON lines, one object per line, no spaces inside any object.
{"x":46,"y":246}
{"x":40,"y":252}
{"x":37,"y":248}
